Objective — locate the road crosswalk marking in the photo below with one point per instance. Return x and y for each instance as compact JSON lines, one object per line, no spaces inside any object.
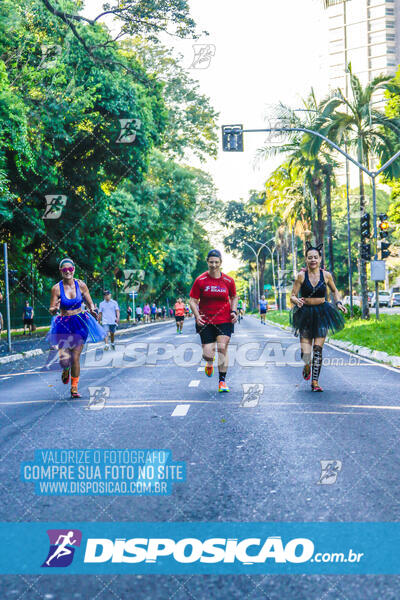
{"x":194,"y":383}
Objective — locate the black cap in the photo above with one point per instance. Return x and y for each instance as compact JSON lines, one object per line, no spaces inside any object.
{"x":215,"y":253}
{"x":106,"y":292}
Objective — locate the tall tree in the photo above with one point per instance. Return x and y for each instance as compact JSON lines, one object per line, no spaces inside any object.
{"x":357,"y":122}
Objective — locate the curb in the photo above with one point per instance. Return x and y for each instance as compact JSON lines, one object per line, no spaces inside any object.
{"x":374,"y":355}
{"x":14,"y":357}
{"x":38,"y":351}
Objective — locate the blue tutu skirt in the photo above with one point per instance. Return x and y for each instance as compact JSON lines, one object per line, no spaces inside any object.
{"x":74,"y":330}
{"x":316,"y":320}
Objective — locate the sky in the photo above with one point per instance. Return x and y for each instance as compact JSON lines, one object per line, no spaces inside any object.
{"x":266,"y":51}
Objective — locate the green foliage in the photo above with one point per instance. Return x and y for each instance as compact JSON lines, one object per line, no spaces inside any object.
{"x":63,"y":94}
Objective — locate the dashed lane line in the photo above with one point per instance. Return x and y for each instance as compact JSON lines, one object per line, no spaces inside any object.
{"x":180,"y":410}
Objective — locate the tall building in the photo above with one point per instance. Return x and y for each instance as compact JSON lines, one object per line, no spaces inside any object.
{"x":365,"y":33}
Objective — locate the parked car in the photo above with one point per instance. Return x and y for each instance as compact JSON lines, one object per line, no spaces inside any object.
{"x":395,"y":299}
{"x":356,"y":300}
{"x":383,"y":299}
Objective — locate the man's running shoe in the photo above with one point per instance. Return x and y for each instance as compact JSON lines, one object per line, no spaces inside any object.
{"x":209,"y":370}
{"x":222,"y":387}
{"x":306,"y":372}
{"x":65,"y":376}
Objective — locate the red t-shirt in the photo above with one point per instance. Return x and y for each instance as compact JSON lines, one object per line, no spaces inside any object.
{"x":214,"y":294}
{"x":179,"y":309}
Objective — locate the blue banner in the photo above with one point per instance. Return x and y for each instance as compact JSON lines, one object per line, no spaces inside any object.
{"x":200,"y":548}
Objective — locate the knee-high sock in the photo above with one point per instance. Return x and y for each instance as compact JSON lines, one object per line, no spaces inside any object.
{"x":316,"y":362}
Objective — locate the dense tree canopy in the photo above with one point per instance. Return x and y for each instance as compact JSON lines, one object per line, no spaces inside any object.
{"x":98,"y":133}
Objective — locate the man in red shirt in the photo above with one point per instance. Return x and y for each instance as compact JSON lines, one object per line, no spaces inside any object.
{"x":213,"y":301}
{"x":179,"y":309}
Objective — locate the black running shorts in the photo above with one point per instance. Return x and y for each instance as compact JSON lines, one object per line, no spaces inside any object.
{"x":209,"y":333}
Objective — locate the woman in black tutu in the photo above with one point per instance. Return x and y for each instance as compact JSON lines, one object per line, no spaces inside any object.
{"x":312,"y":316}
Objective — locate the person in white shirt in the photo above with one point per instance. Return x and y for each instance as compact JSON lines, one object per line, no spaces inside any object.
{"x":139,"y":313}
{"x":109,"y":317}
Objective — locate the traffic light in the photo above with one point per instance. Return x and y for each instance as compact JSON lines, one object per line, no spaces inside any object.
{"x":383,"y":226}
{"x":365,"y":226}
{"x":385,"y":252}
{"x":366,"y":252}
{"x":232,"y":138}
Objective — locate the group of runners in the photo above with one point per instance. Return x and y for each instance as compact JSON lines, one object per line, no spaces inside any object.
{"x":214,"y":304}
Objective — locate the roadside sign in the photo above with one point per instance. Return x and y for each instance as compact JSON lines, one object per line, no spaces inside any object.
{"x":378,"y":270}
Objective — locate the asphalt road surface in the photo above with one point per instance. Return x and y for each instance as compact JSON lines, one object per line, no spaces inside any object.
{"x":249,"y":457}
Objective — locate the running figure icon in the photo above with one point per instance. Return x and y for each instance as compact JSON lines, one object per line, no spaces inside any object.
{"x":62,"y":549}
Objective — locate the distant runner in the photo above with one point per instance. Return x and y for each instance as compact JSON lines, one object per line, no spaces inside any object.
{"x":109,"y":317}
{"x":213,"y":301}
{"x":179,"y":309}
{"x":263,"y":307}
{"x":27,"y":317}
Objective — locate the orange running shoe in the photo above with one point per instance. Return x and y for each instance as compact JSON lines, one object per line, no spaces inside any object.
{"x":222,"y":387}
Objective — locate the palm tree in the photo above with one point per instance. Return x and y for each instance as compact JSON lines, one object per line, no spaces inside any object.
{"x":314,"y":167}
{"x":356,"y":122}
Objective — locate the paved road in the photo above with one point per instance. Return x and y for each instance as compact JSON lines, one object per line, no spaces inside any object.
{"x":255,"y":461}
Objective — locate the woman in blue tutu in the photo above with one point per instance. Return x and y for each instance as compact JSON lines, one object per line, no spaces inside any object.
{"x":312,"y":316}
{"x":71,"y":329}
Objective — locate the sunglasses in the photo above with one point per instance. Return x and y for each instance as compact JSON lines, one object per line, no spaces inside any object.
{"x":68,"y":269}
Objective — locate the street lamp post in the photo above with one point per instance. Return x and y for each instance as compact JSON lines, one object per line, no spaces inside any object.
{"x":256,"y":255}
{"x":272,"y":258}
{"x":238,"y":131}
{"x":7,"y":291}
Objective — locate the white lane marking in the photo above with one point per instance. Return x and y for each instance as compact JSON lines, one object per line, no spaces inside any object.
{"x":180,"y":410}
{"x":194,"y":383}
{"x":200,"y":369}
{"x":126,"y":406}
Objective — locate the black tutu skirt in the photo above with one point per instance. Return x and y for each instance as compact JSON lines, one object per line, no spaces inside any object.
{"x":316,"y":320}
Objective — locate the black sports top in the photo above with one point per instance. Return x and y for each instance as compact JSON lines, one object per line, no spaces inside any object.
{"x":307,"y":290}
